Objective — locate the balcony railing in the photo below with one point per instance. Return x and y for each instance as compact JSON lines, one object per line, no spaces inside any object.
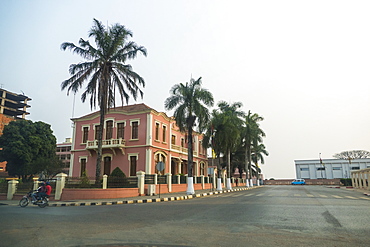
{"x":111,"y":144}
{"x":182,"y":149}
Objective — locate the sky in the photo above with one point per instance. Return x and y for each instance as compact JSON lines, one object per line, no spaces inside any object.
{"x":302,"y":65}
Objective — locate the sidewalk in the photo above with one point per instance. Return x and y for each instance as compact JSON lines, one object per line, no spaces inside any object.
{"x":138,"y":199}
{"x":364,"y":191}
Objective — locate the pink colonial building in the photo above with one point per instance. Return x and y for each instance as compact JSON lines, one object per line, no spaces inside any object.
{"x":135,"y":138}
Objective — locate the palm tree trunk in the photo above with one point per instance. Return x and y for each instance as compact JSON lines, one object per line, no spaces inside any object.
{"x":219,"y":179}
{"x":103,"y":108}
{"x":228,"y":181}
{"x":248,"y":165}
{"x":100,"y":148}
{"x":190,"y":188}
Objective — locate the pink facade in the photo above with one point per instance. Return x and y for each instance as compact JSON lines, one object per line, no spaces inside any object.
{"x":135,"y":138}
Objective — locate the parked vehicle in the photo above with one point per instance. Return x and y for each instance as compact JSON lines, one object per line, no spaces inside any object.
{"x":43,"y":202}
{"x":298,"y":181}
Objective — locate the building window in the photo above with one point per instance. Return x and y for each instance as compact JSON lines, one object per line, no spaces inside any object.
{"x":202,"y":169}
{"x":337,"y":168}
{"x":107,"y":165}
{"x":182,"y":142}
{"x":156,"y":131}
{"x":304,"y":169}
{"x":97,"y":131}
{"x":85,"y":134}
{"x":109,"y":130}
{"x":120,"y":130}
{"x":173,"y":139}
{"x":164,"y":133}
{"x":133,"y":163}
{"x":320,"y":168}
{"x":135,"y":130}
{"x":83,"y":166}
{"x":355,"y":168}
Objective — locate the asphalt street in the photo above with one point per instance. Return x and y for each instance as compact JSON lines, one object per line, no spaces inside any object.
{"x":266,"y":216}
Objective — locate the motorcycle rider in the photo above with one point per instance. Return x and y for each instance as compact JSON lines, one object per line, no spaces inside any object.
{"x":40,"y":192}
{"x":48,"y":189}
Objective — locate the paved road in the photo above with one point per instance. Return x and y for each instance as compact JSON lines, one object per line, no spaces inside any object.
{"x":268,"y":216}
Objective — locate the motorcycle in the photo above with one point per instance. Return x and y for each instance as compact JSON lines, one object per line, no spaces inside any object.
{"x":43,"y":202}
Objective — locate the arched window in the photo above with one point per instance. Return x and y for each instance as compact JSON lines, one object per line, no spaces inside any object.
{"x":160,"y":157}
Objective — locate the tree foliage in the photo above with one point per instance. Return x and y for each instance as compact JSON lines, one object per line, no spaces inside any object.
{"x":354,"y":154}
{"x":29,"y":148}
{"x":226,"y":124}
{"x":105,"y":70}
{"x":252,"y":137}
{"x":190,"y":102}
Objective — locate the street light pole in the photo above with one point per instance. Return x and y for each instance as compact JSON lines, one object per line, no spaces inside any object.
{"x":322,"y":176}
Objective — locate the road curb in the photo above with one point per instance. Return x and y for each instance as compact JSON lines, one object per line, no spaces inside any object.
{"x":151,"y":200}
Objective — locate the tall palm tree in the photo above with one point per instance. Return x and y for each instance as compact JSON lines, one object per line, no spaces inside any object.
{"x":258,"y":151}
{"x":252,"y":133}
{"x":225,"y":133}
{"x":191,"y":102}
{"x":105,"y":70}
{"x":230,"y":135}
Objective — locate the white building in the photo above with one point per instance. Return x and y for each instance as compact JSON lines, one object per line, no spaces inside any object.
{"x":329,"y":168}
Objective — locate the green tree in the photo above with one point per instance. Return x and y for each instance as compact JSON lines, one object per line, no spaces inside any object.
{"x":105,"y":71}
{"x":228,"y":131}
{"x":258,"y":151}
{"x":223,"y":135}
{"x":191,"y":102}
{"x":29,"y":148}
{"x":252,"y":134}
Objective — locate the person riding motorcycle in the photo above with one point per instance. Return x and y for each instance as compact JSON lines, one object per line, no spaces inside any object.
{"x":48,"y":189}
{"x":40,"y":192}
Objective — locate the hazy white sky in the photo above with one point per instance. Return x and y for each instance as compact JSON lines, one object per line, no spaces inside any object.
{"x":302,"y":65}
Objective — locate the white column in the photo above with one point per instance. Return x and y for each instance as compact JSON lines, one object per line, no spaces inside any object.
{"x":169,"y":182}
{"x":35,"y":184}
{"x":140,"y":181}
{"x":219,"y":184}
{"x":190,"y":187}
{"x":148,"y":161}
{"x":12,"y":188}
{"x":61,"y":180}
{"x":105,"y":181}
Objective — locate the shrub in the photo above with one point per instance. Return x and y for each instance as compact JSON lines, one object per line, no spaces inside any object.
{"x":117,"y":172}
{"x":84,"y":180}
{"x":117,"y":178}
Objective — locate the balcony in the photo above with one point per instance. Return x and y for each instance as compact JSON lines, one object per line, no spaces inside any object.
{"x":182,"y":149}
{"x":111,"y":144}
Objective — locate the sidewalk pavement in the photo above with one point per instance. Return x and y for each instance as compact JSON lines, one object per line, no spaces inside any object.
{"x":138,"y":199}
{"x":364,"y":191}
